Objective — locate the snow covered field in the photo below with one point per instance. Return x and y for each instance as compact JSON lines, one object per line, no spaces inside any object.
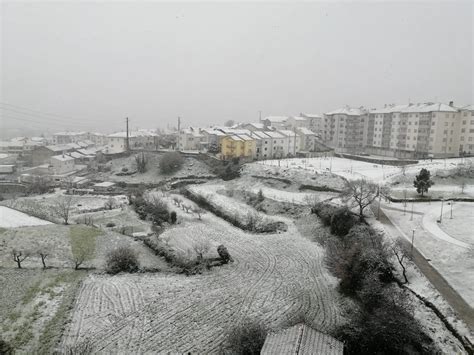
{"x":10,"y":218}
{"x":150,"y":313}
{"x":354,"y":169}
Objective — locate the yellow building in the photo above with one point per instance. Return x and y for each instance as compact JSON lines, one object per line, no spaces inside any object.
{"x":237,"y":146}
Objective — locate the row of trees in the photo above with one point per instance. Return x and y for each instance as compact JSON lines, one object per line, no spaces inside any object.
{"x":382,"y":321}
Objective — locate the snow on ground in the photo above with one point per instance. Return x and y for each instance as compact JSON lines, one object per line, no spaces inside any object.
{"x":450,"y":256}
{"x":423,"y":287}
{"x":10,"y":218}
{"x":179,"y":314}
{"x":354,"y":169}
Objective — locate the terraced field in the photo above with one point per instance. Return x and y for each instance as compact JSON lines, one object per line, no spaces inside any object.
{"x":274,"y":277}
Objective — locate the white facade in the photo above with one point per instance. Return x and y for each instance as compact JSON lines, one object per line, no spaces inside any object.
{"x":62,"y":164}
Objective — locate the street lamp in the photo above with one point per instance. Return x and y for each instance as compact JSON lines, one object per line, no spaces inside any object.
{"x":451,"y":203}
{"x":441,"y":214}
{"x":412,"y":205}
{"x":412,"y":241}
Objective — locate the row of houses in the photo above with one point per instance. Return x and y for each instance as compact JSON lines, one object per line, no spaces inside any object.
{"x":261,"y":140}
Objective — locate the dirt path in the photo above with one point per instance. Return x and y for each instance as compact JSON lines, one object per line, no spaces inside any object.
{"x":274,"y":277}
{"x":465,"y":312}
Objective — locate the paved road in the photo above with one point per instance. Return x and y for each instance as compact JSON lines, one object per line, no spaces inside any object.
{"x":463,"y":309}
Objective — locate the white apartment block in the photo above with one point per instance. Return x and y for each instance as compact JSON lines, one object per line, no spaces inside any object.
{"x":466,"y":134}
{"x":345,"y":129}
{"x":69,"y":137}
{"x":414,"y":130}
{"x":291,"y":142}
{"x":141,"y":139}
{"x":315,"y":123}
{"x":191,"y":138}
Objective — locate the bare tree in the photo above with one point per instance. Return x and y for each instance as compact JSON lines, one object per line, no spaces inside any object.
{"x":402,"y":254}
{"x":186,"y":207}
{"x":462,"y":185}
{"x":362,"y":193}
{"x":44,"y":252}
{"x":141,"y":162}
{"x":110,"y":203}
{"x":19,"y":256}
{"x":199,"y":211}
{"x":403,"y":169}
{"x":201,"y":247}
{"x":63,"y":208}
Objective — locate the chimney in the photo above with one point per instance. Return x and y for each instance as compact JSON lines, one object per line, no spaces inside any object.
{"x":451,"y":103}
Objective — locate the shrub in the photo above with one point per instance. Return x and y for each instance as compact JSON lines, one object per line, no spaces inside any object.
{"x":388,"y":328}
{"x":324,"y":211}
{"x":151,"y":208}
{"x":173,"y":217}
{"x":122,"y":259}
{"x":224,"y":254}
{"x":342,"y":221}
{"x":124,"y":169}
{"x":5,"y":348}
{"x":171,"y":162}
{"x":247,"y":338}
{"x":110,"y":224}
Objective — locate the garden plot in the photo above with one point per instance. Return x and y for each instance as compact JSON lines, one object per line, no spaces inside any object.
{"x":235,"y":210}
{"x":452,"y":257}
{"x":10,"y":218}
{"x":44,"y":206}
{"x":273,"y":277}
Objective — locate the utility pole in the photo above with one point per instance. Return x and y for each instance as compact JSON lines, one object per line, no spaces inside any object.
{"x":127,"y":143}
{"x":179,"y":131}
{"x":259,"y":116}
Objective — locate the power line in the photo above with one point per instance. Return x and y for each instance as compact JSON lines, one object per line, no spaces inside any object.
{"x":54,"y":116}
{"x":43,"y":123}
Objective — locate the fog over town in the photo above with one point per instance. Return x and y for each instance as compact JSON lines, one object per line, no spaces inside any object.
{"x":236,"y":178}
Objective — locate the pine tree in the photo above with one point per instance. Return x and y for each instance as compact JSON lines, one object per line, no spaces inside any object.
{"x":423,"y":181}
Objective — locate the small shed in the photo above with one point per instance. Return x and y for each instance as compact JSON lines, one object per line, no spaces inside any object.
{"x":302,"y":340}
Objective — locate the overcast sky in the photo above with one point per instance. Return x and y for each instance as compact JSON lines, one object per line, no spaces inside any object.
{"x":93,"y":64}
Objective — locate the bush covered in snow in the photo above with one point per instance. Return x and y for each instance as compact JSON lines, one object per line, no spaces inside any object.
{"x":122,"y":259}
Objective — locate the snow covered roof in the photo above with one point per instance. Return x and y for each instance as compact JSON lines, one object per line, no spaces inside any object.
{"x":133,"y":134}
{"x":69,"y":133}
{"x":417,"y":108}
{"x":257,"y":125}
{"x":305,"y":131}
{"x":76,"y":155}
{"x":62,"y":157}
{"x":74,"y":145}
{"x":104,"y":184}
{"x":299,"y":118}
{"x":260,"y":134}
{"x":245,"y":137}
{"x":59,"y":147}
{"x":196,"y":132}
{"x":303,"y":340}
{"x":273,"y":134}
{"x":350,"y":111}
{"x":287,"y":132}
{"x":276,"y":119}
{"x":310,"y":115}
{"x":468,"y":108}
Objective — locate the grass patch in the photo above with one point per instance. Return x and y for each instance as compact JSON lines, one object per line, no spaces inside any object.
{"x":83,"y":241}
{"x":2,"y":230}
{"x":31,"y":292}
{"x":23,"y":335}
{"x":54,"y":328}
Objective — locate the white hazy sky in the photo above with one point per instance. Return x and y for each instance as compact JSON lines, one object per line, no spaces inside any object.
{"x":94,"y":63}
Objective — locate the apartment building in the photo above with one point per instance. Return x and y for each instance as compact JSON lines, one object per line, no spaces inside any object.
{"x":291,"y":142}
{"x":414,"y":130}
{"x":238,"y":146}
{"x":69,"y":137}
{"x":276,"y":122}
{"x":315,"y":123}
{"x":466,"y":134}
{"x":345,"y":129}
{"x":141,"y":139}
